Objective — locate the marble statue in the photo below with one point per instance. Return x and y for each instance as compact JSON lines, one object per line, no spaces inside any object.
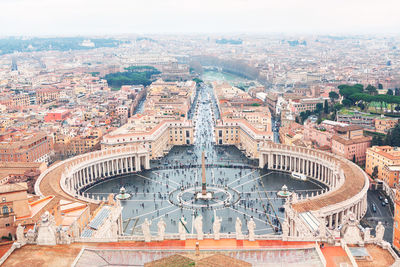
{"x":217,"y":227}
{"x":295,"y":198}
{"x":161,"y":229}
{"x":285,"y":228}
{"x":182,"y":228}
{"x":379,"y":232}
{"x":238,"y":228}
{"x":251,"y":226}
{"x":62,"y":236}
{"x":114,"y":228}
{"x":47,"y":235}
{"x":75,"y":229}
{"x":20,"y":234}
{"x":146,"y":230}
{"x":198,"y":225}
{"x":31,"y":236}
{"x":367,"y":234}
{"x":111,"y":200}
{"x":350,"y":231}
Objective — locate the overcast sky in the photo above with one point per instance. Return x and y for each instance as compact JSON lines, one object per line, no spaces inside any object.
{"x":78,"y":17}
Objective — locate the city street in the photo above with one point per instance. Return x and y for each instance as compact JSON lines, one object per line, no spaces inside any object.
{"x":383,"y":214}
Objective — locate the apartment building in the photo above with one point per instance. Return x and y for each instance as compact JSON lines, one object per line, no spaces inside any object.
{"x":350,"y":143}
{"x":387,"y":161}
{"x":25,"y":147}
{"x":302,"y":105}
{"x":384,"y":124}
{"x":158,"y":136}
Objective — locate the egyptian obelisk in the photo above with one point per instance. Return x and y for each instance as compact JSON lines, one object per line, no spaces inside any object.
{"x":203,"y":169}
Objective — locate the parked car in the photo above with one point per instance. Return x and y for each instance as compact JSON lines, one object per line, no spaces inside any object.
{"x":383,"y":203}
{"x":380,"y":198}
{"x":373,"y":207}
{"x":386,"y":201}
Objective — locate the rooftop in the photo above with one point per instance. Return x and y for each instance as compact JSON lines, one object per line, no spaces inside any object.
{"x":16,"y":187}
{"x":230,"y":251}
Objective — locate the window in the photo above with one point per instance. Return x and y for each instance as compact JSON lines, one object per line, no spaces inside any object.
{"x":5,"y":209}
{"x":4,"y":199}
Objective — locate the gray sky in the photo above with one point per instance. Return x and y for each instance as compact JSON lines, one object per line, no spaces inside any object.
{"x":72,"y":17}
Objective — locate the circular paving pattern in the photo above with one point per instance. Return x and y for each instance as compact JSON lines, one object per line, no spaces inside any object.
{"x":222,"y":197}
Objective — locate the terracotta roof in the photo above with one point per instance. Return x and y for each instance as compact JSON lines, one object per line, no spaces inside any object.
{"x":221,"y":260}
{"x":175,"y":260}
{"x":351,"y":141}
{"x":348,"y":128}
{"x":352,"y":185}
{"x":8,"y":188}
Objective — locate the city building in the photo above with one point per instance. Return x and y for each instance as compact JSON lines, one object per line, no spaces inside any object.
{"x":14,"y":204}
{"x":384,"y":124}
{"x":292,"y":134}
{"x":385,"y":162}
{"x":350,"y":143}
{"x":25,"y":147}
{"x":85,"y":143}
{"x":396,"y":220}
{"x":355,"y":117}
{"x":159,"y":137}
{"x":302,"y":105}
{"x":244,"y":121}
{"x":16,"y":172}
{"x":321,"y":135}
{"x":58,"y":115}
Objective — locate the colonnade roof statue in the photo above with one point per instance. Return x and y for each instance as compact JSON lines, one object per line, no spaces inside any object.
{"x":198,"y":226}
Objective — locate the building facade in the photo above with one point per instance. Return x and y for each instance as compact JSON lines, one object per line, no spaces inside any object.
{"x":350,"y":143}
{"x":25,"y":147}
{"x":386,"y":160}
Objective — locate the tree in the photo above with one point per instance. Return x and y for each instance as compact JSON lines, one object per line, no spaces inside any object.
{"x":371,"y":90}
{"x":333,"y":96}
{"x":354,"y":158}
{"x":134,"y":75}
{"x":197,"y":80}
{"x":346,"y":90}
{"x":347,"y":103}
{"x":326,"y":107}
{"x":303,"y":116}
{"x":393,"y":136}
{"x":374,"y":174}
{"x":377,"y":141}
{"x":319,"y":107}
{"x":389,"y":92}
{"x":337,"y":107}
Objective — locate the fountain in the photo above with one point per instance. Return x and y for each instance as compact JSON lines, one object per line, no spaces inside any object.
{"x":284,"y":192}
{"x":122,"y":194}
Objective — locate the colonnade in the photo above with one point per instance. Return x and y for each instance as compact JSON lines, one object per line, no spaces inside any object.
{"x":84,"y":170}
{"x":305,"y":164}
{"x":103,"y":168}
{"x":327,"y":169}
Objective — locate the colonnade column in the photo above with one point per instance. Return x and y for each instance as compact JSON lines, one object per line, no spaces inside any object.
{"x":147,"y":162}
{"x":137,"y":163}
